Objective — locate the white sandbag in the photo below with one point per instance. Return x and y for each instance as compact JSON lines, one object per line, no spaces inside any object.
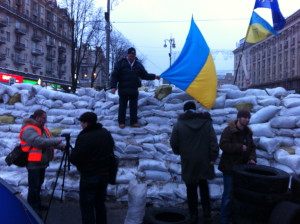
{"x":233,"y":93}
{"x":262,"y":161}
{"x":57,"y":104}
{"x":125,"y":175}
{"x":291,"y":102}
{"x":163,"y":148}
{"x":180,"y":191}
{"x":173,"y":107}
{"x":228,"y":86}
{"x":268,"y":144}
{"x":150,"y":164}
{"x":263,"y":129}
{"x":81,"y":104}
{"x":166,"y":191}
{"x":112,"y":97}
{"x":136,"y":203}
{"x":219,"y":102}
{"x":68,"y":106}
{"x":164,"y":137}
{"x":133,"y":149}
{"x":5,"y":98}
{"x":264,"y":115}
{"x":293,"y":111}
{"x":268,"y":100}
{"x":68,"y":120}
{"x":287,"y":132}
{"x":284,"y":122}
{"x":255,"y":92}
{"x":292,"y":161}
{"x":156,"y":175}
{"x":285,"y":141}
{"x":277,"y":92}
{"x":149,"y":147}
{"x":246,"y":99}
{"x":223,"y":112}
{"x":157,"y":120}
{"x":215,"y":191}
{"x":218,"y":120}
{"x":165,"y":129}
{"x":175,"y":168}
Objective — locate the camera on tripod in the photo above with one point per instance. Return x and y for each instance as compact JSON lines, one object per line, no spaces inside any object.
{"x":67,"y":136}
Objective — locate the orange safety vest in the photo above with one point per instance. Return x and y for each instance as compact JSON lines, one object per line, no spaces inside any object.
{"x":34,"y":154}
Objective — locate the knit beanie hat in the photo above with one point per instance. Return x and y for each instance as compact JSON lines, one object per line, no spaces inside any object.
{"x":88,"y":117}
{"x":189,"y":106}
{"x":243,"y":113}
{"x":131,"y":51}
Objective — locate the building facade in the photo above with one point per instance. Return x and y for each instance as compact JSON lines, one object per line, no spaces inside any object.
{"x":35,"y":41}
{"x":272,"y":62}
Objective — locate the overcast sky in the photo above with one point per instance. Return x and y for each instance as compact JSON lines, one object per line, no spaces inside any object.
{"x":147,"y":23}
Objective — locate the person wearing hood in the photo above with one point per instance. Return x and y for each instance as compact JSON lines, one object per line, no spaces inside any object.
{"x":93,"y":148}
{"x":126,"y":77}
{"x":37,"y":140}
{"x":194,"y":139}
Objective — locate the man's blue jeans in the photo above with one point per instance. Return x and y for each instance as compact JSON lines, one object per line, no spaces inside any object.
{"x":226,"y":204}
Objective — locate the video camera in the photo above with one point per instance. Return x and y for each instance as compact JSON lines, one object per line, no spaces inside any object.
{"x":67,"y":136}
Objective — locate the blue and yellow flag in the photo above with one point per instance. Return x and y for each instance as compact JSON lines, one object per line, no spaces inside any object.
{"x":258,"y":29}
{"x":278,"y":19}
{"x":194,"y":70}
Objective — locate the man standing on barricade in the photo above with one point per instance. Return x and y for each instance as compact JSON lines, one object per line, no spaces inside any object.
{"x":238,"y":148}
{"x":36,"y":139}
{"x":194,"y":139}
{"x":126,"y":77}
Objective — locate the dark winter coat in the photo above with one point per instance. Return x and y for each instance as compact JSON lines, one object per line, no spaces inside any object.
{"x":194,"y":139}
{"x":128,"y":79}
{"x":92,"y":148}
{"x":231,"y":143}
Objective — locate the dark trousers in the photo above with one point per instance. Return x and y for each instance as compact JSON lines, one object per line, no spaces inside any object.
{"x":92,"y":193}
{"x":192,"y":197}
{"x":35,"y":182}
{"x":123,"y":101}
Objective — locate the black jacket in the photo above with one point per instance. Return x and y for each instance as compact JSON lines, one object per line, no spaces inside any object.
{"x":128,"y":79}
{"x":194,"y":139}
{"x":93,"y":146}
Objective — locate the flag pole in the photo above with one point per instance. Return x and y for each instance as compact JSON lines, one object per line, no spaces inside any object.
{"x":237,"y":69}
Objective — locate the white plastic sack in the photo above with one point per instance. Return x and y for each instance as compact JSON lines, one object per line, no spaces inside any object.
{"x":136,"y":203}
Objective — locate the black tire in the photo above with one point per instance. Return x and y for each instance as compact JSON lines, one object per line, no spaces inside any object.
{"x":258,"y":198}
{"x":252,"y":212}
{"x":166,"y":216}
{"x":285,"y":212}
{"x":295,"y":188}
{"x":260,"y":178}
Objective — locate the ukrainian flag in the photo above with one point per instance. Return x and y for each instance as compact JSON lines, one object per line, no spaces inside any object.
{"x":258,"y":29}
{"x":194,"y":70}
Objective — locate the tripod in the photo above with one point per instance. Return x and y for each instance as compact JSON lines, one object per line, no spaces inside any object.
{"x":64,"y":160}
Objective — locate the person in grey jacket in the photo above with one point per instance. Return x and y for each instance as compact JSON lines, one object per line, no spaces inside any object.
{"x":194,"y":139}
{"x":36,"y":139}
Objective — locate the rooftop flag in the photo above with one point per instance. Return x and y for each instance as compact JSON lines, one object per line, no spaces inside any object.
{"x":258,"y":29}
{"x":278,"y":19}
{"x":194,"y":70}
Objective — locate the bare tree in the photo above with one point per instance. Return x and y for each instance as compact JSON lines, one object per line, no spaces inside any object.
{"x":87,"y":22}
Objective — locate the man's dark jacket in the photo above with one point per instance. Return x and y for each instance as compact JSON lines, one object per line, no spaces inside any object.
{"x":231,"y":143}
{"x":128,"y":79}
{"x":194,"y":139}
{"x":91,"y":153}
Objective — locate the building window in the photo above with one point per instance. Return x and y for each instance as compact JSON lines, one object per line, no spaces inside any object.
{"x":8,"y":36}
{"x":7,"y":52}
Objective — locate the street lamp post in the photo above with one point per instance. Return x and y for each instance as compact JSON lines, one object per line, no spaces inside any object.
{"x":172,"y":45}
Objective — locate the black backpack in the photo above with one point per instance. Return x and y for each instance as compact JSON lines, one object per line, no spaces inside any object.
{"x":17,"y":157}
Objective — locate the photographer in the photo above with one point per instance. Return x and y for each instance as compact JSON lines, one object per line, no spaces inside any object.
{"x":93,"y":147}
{"x":36,"y":139}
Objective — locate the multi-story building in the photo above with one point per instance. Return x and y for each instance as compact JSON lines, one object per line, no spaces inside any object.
{"x":35,"y":41}
{"x":92,"y":67}
{"x":272,"y":62}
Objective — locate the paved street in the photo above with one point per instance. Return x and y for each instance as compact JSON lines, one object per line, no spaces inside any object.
{"x":68,"y":212}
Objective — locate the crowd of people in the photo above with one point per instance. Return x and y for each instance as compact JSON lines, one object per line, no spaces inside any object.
{"x":193,"y":138}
